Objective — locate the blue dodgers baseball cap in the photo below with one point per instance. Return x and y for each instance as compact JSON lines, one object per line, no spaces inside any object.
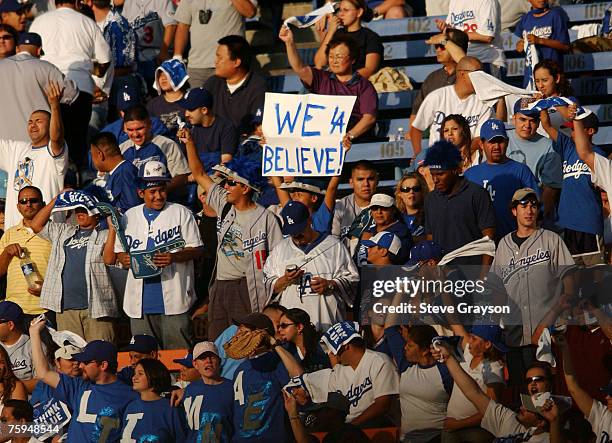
{"x":144,"y":344}
{"x":491,"y":333}
{"x":98,"y":350}
{"x":128,"y":96}
{"x":607,"y":389}
{"x":186,"y":361}
{"x":423,"y":251}
{"x":196,"y":98}
{"x":14,"y":6}
{"x":29,"y":38}
{"x":443,"y":156}
{"x":528,"y":112}
{"x":152,"y":174}
{"x":10,"y":311}
{"x":295,"y":218}
{"x":385,"y":240}
{"x":493,"y":128}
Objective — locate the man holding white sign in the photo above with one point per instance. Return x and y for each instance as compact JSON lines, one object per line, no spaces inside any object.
{"x":339,"y":80}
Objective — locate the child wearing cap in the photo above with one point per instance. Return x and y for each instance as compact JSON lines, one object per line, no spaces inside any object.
{"x":80,"y":290}
{"x":140,"y":346}
{"x":500,"y":175}
{"x":208,"y":401}
{"x":158,"y":305}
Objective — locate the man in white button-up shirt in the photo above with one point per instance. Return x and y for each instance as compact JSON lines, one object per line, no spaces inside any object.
{"x":75,"y":44}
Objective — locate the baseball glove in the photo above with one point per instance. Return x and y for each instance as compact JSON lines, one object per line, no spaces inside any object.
{"x":244,"y":344}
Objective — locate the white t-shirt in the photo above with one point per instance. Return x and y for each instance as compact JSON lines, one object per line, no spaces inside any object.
{"x":601,"y":420}
{"x":601,"y":175}
{"x":374,"y":377}
{"x":445,"y":101}
{"x":502,"y":422}
{"x":483,"y":17}
{"x":28,"y":166}
{"x":423,"y":401}
{"x":149,"y":18}
{"x":486,"y":373}
{"x":72,"y":42}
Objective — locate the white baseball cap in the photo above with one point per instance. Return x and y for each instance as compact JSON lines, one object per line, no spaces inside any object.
{"x":203,"y":347}
{"x":67,"y":352}
{"x":384,"y":200}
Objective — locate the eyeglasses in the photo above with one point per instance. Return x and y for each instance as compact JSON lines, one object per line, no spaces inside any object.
{"x":229,"y":182}
{"x":339,"y":58}
{"x":6,"y":37}
{"x":407,"y":189}
{"x":440,"y":47}
{"x":532,"y":202}
{"x":33,"y":201}
{"x":535,"y":379}
{"x":284,"y":325}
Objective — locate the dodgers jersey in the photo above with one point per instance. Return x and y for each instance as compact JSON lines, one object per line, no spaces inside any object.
{"x":445,"y":101}
{"x":483,"y":17}
{"x":209,"y":410}
{"x":97,"y":409}
{"x":531,"y":274}
{"x":159,"y":148}
{"x":580,"y":203}
{"x":327,"y":258}
{"x":155,"y":421}
{"x":175,"y":222}
{"x":20,"y":355}
{"x":259,"y":411}
{"x":374,"y":377}
{"x":120,"y":186}
{"x":29,"y":166}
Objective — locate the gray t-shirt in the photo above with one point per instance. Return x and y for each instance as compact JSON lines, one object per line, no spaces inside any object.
{"x":539,"y":155}
{"x":231,"y":262}
{"x":20,"y":355}
{"x":224,"y":20}
{"x":74,"y":283}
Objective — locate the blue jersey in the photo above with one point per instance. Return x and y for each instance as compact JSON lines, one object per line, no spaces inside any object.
{"x":502,"y":181}
{"x":322,"y":219}
{"x":209,"y":411}
{"x":259,"y":412}
{"x":580,"y":203}
{"x":126,"y":374}
{"x":553,"y":25}
{"x":98,"y":409}
{"x":228,"y":365}
{"x":153,"y":421}
{"x":121,"y":186}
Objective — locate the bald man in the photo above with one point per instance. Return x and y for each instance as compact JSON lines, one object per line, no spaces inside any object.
{"x":454,"y":99}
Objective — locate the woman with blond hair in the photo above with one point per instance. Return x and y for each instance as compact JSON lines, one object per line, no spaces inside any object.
{"x":410,"y":195}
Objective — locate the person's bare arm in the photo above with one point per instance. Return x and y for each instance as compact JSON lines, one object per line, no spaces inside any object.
{"x":330,"y":194}
{"x":29,"y":385}
{"x":583,"y":145}
{"x":372,"y":63}
{"x":452,"y":424}
{"x":476,"y":37}
{"x":551,"y":317}
{"x":386,"y":5}
{"x":10,"y":251}
{"x":552,"y":132}
{"x":548,"y":42}
{"x":42,"y":217}
{"x":454,"y":50}
{"x":580,"y":396}
{"x":245,"y":8}
{"x":108,"y":254}
{"x":303,"y":71}
{"x":43,"y":372}
{"x":320,"y":58}
{"x":56,"y":126}
{"x":364,"y":124}
{"x":297,"y":427}
{"x":466,"y":383}
{"x":20,"y":391}
{"x":195,"y":164}
{"x":282,"y":194}
{"x":178,"y":182}
{"x":416,"y":137}
{"x":377,"y":409}
{"x":291,"y":364}
{"x":181,"y":38}
{"x":169,"y":32}
{"x":501,"y":111}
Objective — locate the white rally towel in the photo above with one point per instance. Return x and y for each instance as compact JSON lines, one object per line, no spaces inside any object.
{"x":544,"y":352}
{"x":489,"y":89}
{"x":304,"y":21}
{"x":483,"y":246}
{"x":531,"y":59}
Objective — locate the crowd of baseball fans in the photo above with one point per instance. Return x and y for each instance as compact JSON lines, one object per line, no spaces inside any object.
{"x":131,"y":133}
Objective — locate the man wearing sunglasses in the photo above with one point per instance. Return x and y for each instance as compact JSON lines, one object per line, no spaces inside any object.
{"x":15,"y":13}
{"x":42,"y":162}
{"x":19,"y":240}
{"x":501,"y":421}
{"x":529,"y":261}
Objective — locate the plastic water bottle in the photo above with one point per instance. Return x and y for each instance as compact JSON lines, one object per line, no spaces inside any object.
{"x":400,"y":135}
{"x":30,"y":274}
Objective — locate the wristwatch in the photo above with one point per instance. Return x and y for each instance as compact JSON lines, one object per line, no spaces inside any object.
{"x":330,"y":286}
{"x":350,"y":135}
